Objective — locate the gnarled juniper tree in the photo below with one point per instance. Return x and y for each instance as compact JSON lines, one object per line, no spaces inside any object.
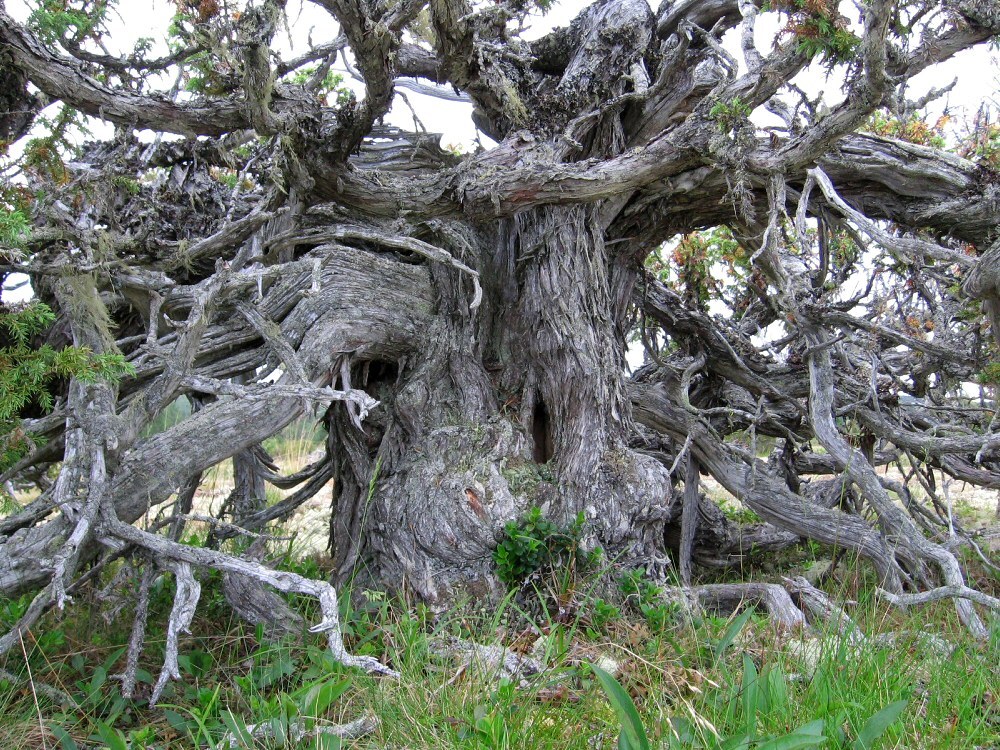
{"x":459,"y":321}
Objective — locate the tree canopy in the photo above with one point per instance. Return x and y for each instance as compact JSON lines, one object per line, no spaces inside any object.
{"x":817,"y":297}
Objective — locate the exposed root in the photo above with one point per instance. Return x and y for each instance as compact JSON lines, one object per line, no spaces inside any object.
{"x":821,"y":611}
{"x":138,"y":634}
{"x":54,"y":694}
{"x":40,"y":604}
{"x":771,"y":597}
{"x":257,"y":604}
{"x":297,"y":731}
{"x":185,"y":556}
{"x":185,"y":603}
{"x":942,"y":592}
{"x":493,"y":660}
{"x":791,"y":607}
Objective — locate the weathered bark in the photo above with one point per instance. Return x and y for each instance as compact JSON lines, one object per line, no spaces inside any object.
{"x":517,"y":403}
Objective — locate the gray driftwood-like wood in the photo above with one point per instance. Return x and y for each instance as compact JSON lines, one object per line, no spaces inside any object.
{"x":459,"y":323}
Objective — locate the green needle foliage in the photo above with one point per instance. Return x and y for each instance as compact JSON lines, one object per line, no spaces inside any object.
{"x":27,"y":373}
{"x":14,"y":226}
{"x":72,"y":20}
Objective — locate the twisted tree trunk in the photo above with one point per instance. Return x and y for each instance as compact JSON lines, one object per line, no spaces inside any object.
{"x":516,"y":403}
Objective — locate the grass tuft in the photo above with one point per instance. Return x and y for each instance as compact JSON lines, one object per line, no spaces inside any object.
{"x":707,"y":682}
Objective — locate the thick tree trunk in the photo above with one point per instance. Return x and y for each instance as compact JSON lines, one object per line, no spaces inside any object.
{"x":520,"y":403}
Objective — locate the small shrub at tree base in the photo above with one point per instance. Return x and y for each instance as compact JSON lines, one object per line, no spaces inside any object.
{"x":535,"y":543}
{"x":648,"y":599}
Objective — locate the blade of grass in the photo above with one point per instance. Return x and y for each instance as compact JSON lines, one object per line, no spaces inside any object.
{"x":633,"y":734}
{"x":876,"y":726}
{"x":730,"y":635}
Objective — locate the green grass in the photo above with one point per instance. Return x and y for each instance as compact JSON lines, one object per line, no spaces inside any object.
{"x":709,"y":683}
{"x":292,"y":447}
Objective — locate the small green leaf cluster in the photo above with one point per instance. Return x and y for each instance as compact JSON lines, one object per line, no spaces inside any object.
{"x":844,"y":251}
{"x":914,"y":129}
{"x":490,"y":724}
{"x":228,"y":177}
{"x":45,"y":157}
{"x":729,"y":114}
{"x":970,"y":310}
{"x":740,"y":514}
{"x":332,"y":84}
{"x":212,"y":71}
{"x":42,"y":158}
{"x":15,"y":219}
{"x":819,"y":37}
{"x":648,"y":598}
{"x":602,"y":614}
{"x":818,"y":28}
{"x":129,"y":184}
{"x":209,"y":76}
{"x":535,"y":543}
{"x":990,"y":375}
{"x":701,"y":262}
{"x":982,"y":143}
